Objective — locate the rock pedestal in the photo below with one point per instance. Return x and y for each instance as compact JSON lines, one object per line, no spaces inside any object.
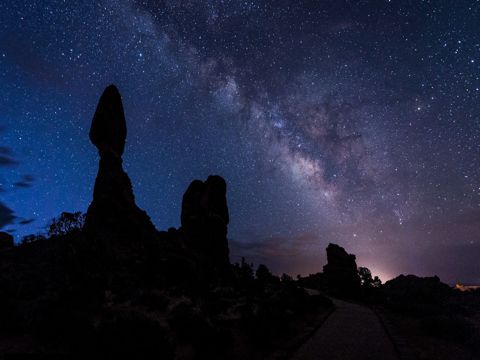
{"x":113,"y":210}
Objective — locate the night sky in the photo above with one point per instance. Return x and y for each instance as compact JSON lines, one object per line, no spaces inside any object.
{"x":356,"y":122}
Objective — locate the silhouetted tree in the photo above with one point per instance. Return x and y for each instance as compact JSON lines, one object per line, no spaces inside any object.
{"x":243,"y":270}
{"x":264,"y":276}
{"x":246,"y":269}
{"x":263,"y":273}
{"x":66,"y":223}
{"x":376,"y":282}
{"x":366,"y":279}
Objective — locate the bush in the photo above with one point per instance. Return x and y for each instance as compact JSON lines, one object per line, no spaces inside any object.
{"x":66,"y":223}
{"x":29,"y":239}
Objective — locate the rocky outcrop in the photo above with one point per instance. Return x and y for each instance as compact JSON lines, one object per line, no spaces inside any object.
{"x":6,"y":240}
{"x":411,"y":289}
{"x":341,"y":272}
{"x":205,"y":219}
{"x":116,"y":225}
{"x":113,"y":210}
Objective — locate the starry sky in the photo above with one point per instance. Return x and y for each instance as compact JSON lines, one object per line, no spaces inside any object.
{"x":353,"y":122}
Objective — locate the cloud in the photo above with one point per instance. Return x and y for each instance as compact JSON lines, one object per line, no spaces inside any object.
{"x":25,"y":182}
{"x":7,"y":216}
{"x":5,"y":150}
{"x":22,"y":184}
{"x":6,"y":154}
{"x":26,"y":221}
{"x":7,"y":161}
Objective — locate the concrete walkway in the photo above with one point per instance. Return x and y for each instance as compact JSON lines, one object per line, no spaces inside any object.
{"x":351,"y":332}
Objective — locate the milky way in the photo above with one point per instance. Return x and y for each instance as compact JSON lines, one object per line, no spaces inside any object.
{"x":349,"y":122}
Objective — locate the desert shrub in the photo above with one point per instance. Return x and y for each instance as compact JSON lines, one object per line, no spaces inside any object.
{"x":29,"y":239}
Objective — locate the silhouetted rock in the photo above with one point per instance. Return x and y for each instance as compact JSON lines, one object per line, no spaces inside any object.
{"x":215,"y":198}
{"x":113,"y":209}
{"x":109,"y":130}
{"x":341,"y":272}
{"x":6,"y":240}
{"x":205,"y":220}
{"x":192,"y":211}
{"x":411,"y":289}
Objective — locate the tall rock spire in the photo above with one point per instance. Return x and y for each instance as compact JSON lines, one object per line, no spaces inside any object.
{"x":113,"y":209}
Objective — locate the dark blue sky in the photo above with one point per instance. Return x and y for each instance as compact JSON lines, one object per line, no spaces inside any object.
{"x":334,"y":121}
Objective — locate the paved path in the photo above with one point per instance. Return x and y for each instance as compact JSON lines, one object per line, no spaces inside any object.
{"x":351,"y":332}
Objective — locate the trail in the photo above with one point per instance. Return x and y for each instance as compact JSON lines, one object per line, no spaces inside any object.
{"x":351,"y":332}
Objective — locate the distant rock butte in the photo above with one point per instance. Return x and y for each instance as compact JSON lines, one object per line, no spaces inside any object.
{"x":341,"y":272}
{"x":414,"y":289}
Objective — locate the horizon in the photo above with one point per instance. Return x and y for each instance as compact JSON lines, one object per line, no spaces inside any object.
{"x":354,"y":124}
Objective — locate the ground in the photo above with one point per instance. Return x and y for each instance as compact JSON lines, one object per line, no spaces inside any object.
{"x":352,"y":331}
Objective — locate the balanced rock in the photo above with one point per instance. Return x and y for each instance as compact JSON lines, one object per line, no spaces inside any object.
{"x":109,"y":129}
{"x":113,"y":209}
{"x":341,"y":272}
{"x":6,"y":240}
{"x":205,"y":219}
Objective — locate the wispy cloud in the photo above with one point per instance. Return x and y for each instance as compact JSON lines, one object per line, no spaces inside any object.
{"x":7,"y":216}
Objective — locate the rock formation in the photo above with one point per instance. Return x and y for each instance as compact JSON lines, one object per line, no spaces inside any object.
{"x":113,"y":209}
{"x":205,"y":219}
{"x":6,"y":240}
{"x":341,"y":272}
{"x":120,"y":288}
{"x":411,"y":289}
